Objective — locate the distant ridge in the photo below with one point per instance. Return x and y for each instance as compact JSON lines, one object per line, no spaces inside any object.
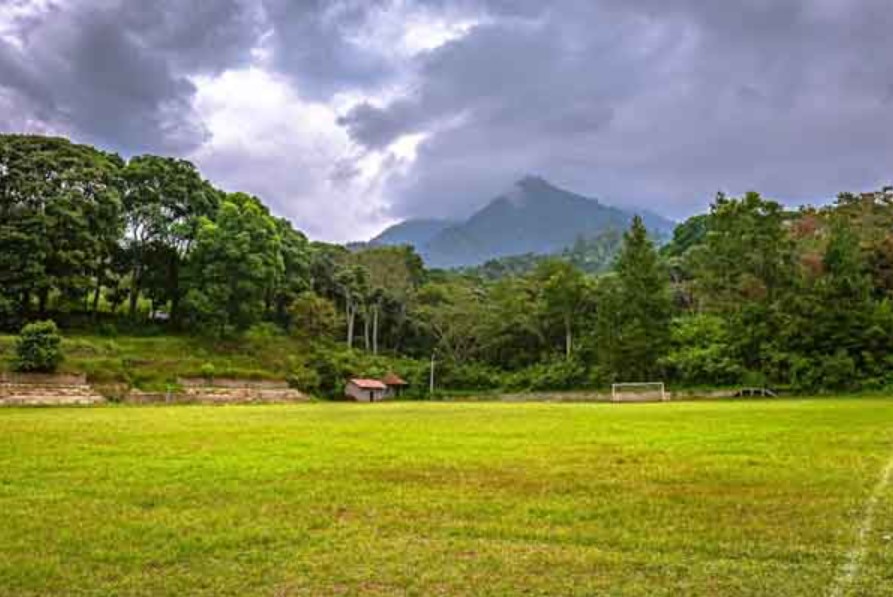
{"x":533,"y":216}
{"x":417,"y":233}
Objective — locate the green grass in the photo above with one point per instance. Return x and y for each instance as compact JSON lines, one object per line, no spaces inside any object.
{"x":155,"y":362}
{"x":719,"y":498}
{"x":152,"y":361}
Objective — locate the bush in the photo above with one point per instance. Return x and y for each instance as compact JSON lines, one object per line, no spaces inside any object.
{"x":208,"y":371}
{"x":38,"y":348}
{"x":260,"y":332}
{"x":558,"y":375}
{"x":107,"y":329}
{"x":466,"y":376}
{"x":305,"y":379}
{"x":824,"y":373}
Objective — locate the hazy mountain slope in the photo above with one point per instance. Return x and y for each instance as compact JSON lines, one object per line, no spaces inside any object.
{"x":532,"y":217}
{"x":417,"y":233}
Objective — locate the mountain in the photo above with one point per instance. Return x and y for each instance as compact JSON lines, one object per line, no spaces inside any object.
{"x":533,"y":217}
{"x":417,"y":233}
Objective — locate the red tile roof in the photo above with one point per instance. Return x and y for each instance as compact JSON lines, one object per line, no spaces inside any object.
{"x":369,"y":384}
{"x":392,"y":379}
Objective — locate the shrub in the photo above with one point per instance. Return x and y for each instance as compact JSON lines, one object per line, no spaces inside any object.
{"x":824,"y":373}
{"x":107,"y":329}
{"x":466,"y":376}
{"x":38,"y":348}
{"x":260,"y":332}
{"x":564,"y":374}
{"x":208,"y":371}
{"x":303,"y":378}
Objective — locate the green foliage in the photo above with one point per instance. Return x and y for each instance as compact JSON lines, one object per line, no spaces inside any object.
{"x":165,"y":200}
{"x":589,"y":254}
{"x":60,"y":209}
{"x":558,"y":375}
{"x":690,"y":233}
{"x":38,"y":348}
{"x":313,"y":317}
{"x":209,"y":371}
{"x":635,"y":310}
{"x":143,"y":249}
{"x":236,"y":265}
{"x":304,"y":378}
{"x":701,"y":352}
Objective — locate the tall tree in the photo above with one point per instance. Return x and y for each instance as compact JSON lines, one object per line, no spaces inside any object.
{"x":393,"y":275}
{"x":165,"y":199}
{"x":564,"y":292}
{"x":236,"y":260}
{"x":353,"y":286}
{"x":59,"y":206}
{"x":641,"y":299}
{"x":296,"y":262}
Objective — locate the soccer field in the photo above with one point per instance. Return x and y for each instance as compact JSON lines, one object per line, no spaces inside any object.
{"x":781,"y":497}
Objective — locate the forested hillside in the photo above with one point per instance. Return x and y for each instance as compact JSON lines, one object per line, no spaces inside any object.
{"x":747,"y":293}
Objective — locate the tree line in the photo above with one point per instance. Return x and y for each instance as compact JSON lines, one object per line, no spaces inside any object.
{"x":748,"y":293}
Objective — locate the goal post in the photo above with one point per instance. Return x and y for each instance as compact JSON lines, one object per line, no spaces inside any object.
{"x":639,"y":392}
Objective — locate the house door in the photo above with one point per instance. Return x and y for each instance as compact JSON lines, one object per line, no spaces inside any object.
{"x":371,"y":396}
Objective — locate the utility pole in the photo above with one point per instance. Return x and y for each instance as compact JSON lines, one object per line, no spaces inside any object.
{"x":431,"y":376}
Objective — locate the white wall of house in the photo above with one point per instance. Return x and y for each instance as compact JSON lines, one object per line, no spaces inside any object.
{"x":363,"y":394}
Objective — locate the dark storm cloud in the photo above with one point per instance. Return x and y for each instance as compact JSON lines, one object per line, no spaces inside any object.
{"x":650,"y":101}
{"x":311,"y":41}
{"x":657,"y":102}
{"x":116,"y":73}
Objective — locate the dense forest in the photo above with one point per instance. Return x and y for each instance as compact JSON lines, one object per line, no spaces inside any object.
{"x":749,"y":293}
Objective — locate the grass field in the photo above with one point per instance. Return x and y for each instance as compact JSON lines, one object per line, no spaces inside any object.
{"x":718,"y":498}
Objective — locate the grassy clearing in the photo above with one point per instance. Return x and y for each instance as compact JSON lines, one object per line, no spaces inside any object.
{"x":153,"y":361}
{"x":484,"y":499}
{"x":156,"y":362}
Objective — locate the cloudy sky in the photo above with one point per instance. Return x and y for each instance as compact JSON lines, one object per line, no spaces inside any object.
{"x":347,"y":115}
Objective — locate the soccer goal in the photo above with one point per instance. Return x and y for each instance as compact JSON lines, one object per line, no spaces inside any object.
{"x":649,"y":391}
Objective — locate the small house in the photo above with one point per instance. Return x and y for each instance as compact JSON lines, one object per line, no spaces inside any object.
{"x":395,"y":385}
{"x":365,"y":390}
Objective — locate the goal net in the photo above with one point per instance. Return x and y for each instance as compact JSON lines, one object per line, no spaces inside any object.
{"x":649,"y":391}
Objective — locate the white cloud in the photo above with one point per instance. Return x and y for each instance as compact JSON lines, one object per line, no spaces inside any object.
{"x":14,"y":14}
{"x":266,"y":140}
{"x":401,"y":29}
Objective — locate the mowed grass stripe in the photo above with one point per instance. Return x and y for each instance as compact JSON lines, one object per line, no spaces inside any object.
{"x":418,"y":498}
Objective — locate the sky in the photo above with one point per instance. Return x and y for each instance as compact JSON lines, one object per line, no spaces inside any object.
{"x":348,"y":115}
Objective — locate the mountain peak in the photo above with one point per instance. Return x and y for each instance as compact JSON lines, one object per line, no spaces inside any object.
{"x":526,"y":188}
{"x":533,"y":182}
{"x":532,"y":216}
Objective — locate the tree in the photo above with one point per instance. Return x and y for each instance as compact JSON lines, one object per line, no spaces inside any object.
{"x":564,"y":292}
{"x":450,"y":311}
{"x":640,"y":297}
{"x":236,"y":261}
{"x":743,"y":271}
{"x":393,"y":275}
{"x":38,"y":348}
{"x":747,"y":254}
{"x":296,"y":262}
{"x":510,"y":326}
{"x":59,"y":214}
{"x":686,"y":235}
{"x":313,"y":317}
{"x":352,"y":284}
{"x":165,"y":200}
{"x":701,"y":352}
